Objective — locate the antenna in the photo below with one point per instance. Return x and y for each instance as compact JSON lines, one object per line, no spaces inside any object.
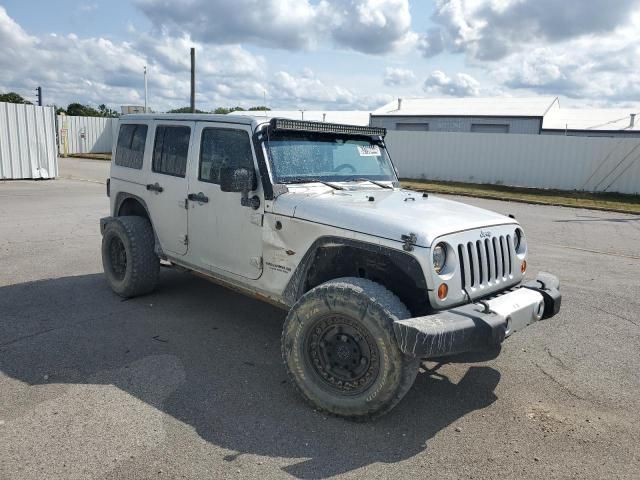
{"x":265,"y":103}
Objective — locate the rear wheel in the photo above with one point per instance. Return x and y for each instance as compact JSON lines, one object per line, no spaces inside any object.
{"x":340,"y":350}
{"x":128,"y":257}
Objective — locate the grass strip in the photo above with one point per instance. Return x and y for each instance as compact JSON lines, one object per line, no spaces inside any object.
{"x":612,"y":202}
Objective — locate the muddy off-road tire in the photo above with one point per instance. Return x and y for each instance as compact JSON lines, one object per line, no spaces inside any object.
{"x":128,"y":257}
{"x":341,"y":353}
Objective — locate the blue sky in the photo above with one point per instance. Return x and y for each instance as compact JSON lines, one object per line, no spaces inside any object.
{"x":320,"y":54}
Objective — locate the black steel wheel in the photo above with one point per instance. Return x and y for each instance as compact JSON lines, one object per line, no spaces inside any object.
{"x":340,"y":350}
{"x":343,"y":354}
{"x":118,"y":257}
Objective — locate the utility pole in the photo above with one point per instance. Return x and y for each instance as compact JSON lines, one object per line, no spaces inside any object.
{"x":39,"y":95}
{"x":145,"y":89}
{"x":193,"y":80}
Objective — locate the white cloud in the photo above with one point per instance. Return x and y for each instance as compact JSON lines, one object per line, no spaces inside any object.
{"x":369,"y":26}
{"x":65,"y":66}
{"x":399,"y":77}
{"x":601,"y":68}
{"x":587,"y":50}
{"x":493,"y":29}
{"x":431,"y":43}
{"x":308,"y":90}
{"x":272,"y":23}
{"x":98,"y":70}
{"x":583,"y":68}
{"x":461,"y":85}
{"x":88,"y":7}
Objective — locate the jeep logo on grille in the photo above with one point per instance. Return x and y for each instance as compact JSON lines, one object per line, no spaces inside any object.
{"x":485,"y":234}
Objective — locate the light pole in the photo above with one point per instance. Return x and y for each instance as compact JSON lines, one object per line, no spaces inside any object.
{"x":145,"y":89}
{"x":193,"y":80}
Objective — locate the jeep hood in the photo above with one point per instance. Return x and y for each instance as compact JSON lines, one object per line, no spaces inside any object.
{"x":389,"y":215}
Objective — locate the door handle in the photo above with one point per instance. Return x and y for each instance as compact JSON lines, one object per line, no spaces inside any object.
{"x":198,"y":197}
{"x":154,"y":187}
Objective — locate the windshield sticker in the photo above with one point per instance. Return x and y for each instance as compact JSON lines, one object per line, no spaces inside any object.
{"x":368,"y":150}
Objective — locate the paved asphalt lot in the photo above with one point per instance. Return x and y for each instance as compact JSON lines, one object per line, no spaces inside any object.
{"x":188,"y":382}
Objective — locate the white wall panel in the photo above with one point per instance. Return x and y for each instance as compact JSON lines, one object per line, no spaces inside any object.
{"x":86,"y":134}
{"x":27,"y":142}
{"x":541,"y":161}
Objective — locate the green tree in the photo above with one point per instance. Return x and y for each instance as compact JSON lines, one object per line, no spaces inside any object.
{"x":185,"y":110}
{"x":225,"y":110}
{"x":13,"y":97}
{"x":259,"y":108}
{"x":106,"y":111}
{"x":78,"y":110}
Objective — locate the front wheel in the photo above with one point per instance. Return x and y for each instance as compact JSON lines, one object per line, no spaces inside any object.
{"x":340,"y":350}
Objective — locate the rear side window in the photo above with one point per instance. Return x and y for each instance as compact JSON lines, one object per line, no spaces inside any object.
{"x":223,"y":147}
{"x":130,"y":148}
{"x":170,"y":150}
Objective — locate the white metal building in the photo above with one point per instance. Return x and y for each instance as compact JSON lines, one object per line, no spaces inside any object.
{"x":482,"y":115}
{"x":537,"y":115}
{"x":592,"y":122}
{"x":131,"y":109}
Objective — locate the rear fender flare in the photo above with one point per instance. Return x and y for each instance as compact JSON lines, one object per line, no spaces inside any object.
{"x":124,"y":196}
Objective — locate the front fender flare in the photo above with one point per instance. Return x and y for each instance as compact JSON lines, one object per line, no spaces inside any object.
{"x":408,"y":263}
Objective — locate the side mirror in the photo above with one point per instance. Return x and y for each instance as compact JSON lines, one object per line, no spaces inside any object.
{"x":240,"y":180}
{"x":236,"y":179}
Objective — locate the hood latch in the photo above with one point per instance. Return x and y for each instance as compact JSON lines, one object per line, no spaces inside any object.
{"x":409,"y":241}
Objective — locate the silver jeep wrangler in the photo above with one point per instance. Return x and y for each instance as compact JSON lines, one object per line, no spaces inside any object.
{"x":311,"y":217}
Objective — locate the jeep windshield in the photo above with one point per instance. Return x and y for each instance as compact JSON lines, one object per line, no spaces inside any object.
{"x":305,"y":157}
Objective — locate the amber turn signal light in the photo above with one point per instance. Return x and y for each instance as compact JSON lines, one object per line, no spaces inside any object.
{"x":443,"y":290}
{"x":523,"y":267}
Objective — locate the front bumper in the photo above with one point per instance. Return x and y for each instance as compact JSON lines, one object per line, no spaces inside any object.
{"x":482,"y":325}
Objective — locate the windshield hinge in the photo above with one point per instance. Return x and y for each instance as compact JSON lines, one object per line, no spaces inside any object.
{"x":257,"y":218}
{"x":409,"y":241}
{"x":185,"y":239}
{"x":256,"y":262}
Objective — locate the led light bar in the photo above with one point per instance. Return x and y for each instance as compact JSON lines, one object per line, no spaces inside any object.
{"x":285,"y":124}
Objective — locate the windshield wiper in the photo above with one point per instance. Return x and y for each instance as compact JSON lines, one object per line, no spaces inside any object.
{"x":380,"y":184}
{"x":316,"y":180}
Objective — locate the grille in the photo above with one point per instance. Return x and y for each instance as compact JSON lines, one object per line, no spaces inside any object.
{"x":486,"y":262}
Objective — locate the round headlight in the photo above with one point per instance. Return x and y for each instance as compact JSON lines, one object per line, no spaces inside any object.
{"x":518,"y":239}
{"x":439,"y":257}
